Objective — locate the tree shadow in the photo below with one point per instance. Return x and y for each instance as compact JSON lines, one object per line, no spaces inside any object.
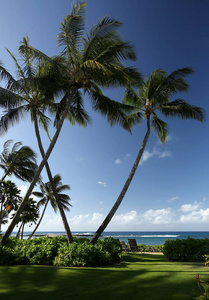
{"x":133,"y":278}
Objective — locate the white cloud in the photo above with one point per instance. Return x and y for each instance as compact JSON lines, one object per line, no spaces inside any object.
{"x":147,"y":155}
{"x":165,"y":154}
{"x":200,"y":216}
{"x":102,"y":183}
{"x":118,"y":161}
{"x":159,"y":216}
{"x":190,"y":207}
{"x":127,"y":156}
{"x":173,"y":199}
{"x":23,"y":190}
{"x":128,"y":217}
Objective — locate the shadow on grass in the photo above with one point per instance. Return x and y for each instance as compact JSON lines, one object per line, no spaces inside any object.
{"x":132,"y":279}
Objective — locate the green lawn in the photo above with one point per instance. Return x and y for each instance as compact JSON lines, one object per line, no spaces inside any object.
{"x":140,"y":276}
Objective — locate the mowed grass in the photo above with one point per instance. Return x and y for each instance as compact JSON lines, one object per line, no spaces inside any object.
{"x":141,"y":276}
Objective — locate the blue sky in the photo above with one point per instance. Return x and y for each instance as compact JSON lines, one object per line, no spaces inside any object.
{"x":170,"y":190}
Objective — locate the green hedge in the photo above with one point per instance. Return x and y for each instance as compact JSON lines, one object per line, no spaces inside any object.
{"x":56,"y":250}
{"x":186,"y":250}
{"x":148,"y":248}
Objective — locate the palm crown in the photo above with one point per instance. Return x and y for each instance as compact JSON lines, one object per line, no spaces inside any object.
{"x":20,"y":161}
{"x":47,"y":194}
{"x":89,"y":62}
{"x":155,"y":94}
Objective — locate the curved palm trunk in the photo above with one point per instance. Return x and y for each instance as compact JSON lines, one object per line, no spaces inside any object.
{"x":39,"y":222}
{"x":18,"y":233}
{"x":38,"y":172}
{"x":23,"y":225}
{"x":125,"y":188}
{"x":4,"y":176}
{"x":62,"y":213}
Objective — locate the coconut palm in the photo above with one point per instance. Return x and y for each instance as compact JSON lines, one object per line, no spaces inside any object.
{"x":30,"y":214}
{"x":88,"y":62}
{"x":28,"y":94}
{"x":9,"y":196}
{"x":19,"y":161}
{"x":47,"y":196}
{"x":154,"y":95}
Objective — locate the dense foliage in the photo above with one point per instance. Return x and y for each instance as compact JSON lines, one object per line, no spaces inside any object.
{"x":56,"y":250}
{"x":186,"y":250}
{"x":150,"y":248}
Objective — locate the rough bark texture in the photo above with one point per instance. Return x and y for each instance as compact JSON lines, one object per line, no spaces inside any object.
{"x":38,"y":172}
{"x":125,"y":188}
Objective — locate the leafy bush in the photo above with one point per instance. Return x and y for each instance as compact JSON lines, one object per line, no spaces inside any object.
{"x":105,"y":252}
{"x":186,"y":250}
{"x":56,"y":250}
{"x":148,"y":248}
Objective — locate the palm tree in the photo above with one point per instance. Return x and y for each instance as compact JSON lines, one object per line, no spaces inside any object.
{"x":88,"y":63}
{"x":47,"y":196}
{"x":20,"y":161}
{"x":30,"y":214}
{"x":29,"y":94}
{"x":154,"y":95}
{"x":9,"y":196}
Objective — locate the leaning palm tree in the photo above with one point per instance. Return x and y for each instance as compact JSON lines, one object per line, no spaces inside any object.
{"x":154,"y":95}
{"x":47,"y":196}
{"x":19,"y":161}
{"x":32,"y":93}
{"x":88,"y":62}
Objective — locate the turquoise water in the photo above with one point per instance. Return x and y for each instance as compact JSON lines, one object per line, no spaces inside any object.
{"x":142,"y":237}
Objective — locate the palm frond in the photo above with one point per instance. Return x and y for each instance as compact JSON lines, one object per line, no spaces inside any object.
{"x":160,"y":128}
{"x":131,"y":97}
{"x":8,"y":99}
{"x":71,"y":30}
{"x":180,"y":108}
{"x":115,"y":112}
{"x":76,"y":111}
{"x":11,"y":117}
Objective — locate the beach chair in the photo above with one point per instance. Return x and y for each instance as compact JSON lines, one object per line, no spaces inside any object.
{"x":125,"y":248}
{"x":133,"y":245}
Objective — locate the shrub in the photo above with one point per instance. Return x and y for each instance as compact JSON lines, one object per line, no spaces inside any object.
{"x":105,"y":252}
{"x":148,"y":248}
{"x":56,"y":250}
{"x":186,"y":250}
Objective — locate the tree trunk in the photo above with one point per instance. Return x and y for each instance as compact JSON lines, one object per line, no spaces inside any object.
{"x":62,"y":213}
{"x":4,"y":176}
{"x":23,"y":225}
{"x":125,"y":188}
{"x":18,"y":233}
{"x":38,"y":172}
{"x":39,"y":222}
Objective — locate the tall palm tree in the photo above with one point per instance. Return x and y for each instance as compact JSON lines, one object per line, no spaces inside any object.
{"x":88,"y":62}
{"x":154,"y":95}
{"x":19,"y":161}
{"x":47,"y":196}
{"x":28,"y":94}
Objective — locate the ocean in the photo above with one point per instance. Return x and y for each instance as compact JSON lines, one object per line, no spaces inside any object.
{"x":142,"y":237}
